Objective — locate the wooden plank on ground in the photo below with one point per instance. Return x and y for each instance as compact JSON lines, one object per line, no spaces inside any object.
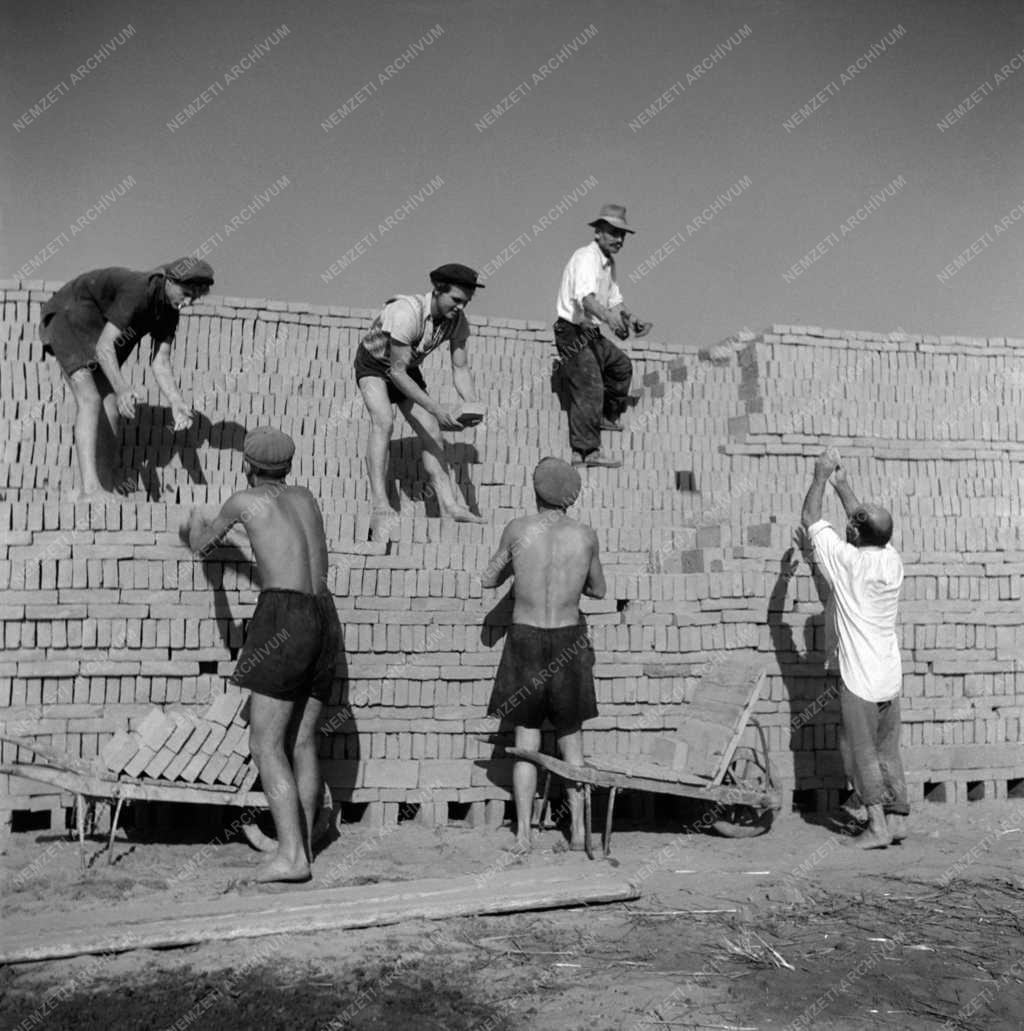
{"x":302,"y":910}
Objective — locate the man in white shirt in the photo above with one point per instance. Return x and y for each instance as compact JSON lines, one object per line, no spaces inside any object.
{"x":596,"y":374}
{"x":387,"y":369}
{"x":865,"y":574}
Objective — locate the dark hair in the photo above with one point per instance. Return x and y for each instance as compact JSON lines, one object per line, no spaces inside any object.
{"x":269,"y":474}
{"x":445,"y":286}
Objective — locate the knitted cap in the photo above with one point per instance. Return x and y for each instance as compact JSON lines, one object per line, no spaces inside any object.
{"x":556,"y":482}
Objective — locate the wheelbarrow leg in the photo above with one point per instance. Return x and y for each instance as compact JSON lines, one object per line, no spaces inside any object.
{"x":113,"y":827}
{"x":80,"y":826}
{"x":607,"y":843}
{"x":541,"y":805}
{"x":588,"y":844}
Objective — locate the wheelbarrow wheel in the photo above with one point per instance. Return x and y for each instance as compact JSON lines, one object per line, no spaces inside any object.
{"x":263,"y":841}
{"x":750,"y":770}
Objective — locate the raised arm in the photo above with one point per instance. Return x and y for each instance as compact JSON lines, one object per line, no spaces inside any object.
{"x":824,"y":465}
{"x":499,"y":568}
{"x":845,"y":491}
{"x":595,"y":587}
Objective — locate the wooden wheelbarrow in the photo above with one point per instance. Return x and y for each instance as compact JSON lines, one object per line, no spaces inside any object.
{"x":91,"y":781}
{"x":701,"y":759}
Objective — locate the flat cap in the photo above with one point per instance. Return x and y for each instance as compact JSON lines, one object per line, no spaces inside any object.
{"x":188,"y":270}
{"x":269,"y":448}
{"x":460,"y":275}
{"x":556,"y":482}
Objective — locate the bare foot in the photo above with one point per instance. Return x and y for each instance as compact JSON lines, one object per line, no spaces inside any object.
{"x":99,"y":495}
{"x":462,"y":515}
{"x":897,"y":826}
{"x":872,"y":839}
{"x":280,"y":869}
{"x":382,"y":521}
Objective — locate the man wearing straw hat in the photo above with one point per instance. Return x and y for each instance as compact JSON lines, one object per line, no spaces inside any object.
{"x":596,"y":374}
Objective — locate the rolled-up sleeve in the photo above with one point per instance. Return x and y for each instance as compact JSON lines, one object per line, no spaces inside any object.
{"x":402,"y":322}
{"x":585,"y":275}
{"x":828,"y":549}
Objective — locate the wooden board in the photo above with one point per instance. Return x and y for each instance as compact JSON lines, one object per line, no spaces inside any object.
{"x":302,"y":910}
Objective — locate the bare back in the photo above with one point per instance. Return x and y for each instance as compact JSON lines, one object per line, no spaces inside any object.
{"x":553,"y":558}
{"x":286,"y":530}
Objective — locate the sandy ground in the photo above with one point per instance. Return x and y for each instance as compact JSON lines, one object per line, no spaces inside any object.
{"x":792,"y":929}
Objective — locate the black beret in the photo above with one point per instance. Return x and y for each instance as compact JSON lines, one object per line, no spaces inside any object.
{"x":460,"y":275}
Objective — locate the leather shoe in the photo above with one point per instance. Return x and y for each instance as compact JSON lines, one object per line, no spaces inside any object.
{"x":598,"y":459}
{"x":611,"y":424}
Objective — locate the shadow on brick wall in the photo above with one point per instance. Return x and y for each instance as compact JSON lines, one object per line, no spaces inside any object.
{"x":813,"y":700}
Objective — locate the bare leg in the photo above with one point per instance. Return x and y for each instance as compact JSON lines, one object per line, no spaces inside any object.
{"x":306,"y":765}
{"x":441,"y":479}
{"x":382,"y":419}
{"x":570,"y":745}
{"x":524,"y":785}
{"x":108,"y":441}
{"x":87,"y":426}
{"x":269,"y":719}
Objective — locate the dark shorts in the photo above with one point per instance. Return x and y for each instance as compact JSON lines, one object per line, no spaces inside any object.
{"x":72,"y":341}
{"x":292,"y":646}
{"x":545,"y":673}
{"x":367,"y":365}
{"x":73,"y":345}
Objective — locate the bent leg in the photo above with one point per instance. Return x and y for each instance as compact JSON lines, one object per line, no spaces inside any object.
{"x":108,"y":443}
{"x":617,"y":374}
{"x":306,"y":765}
{"x":87,"y":427}
{"x":860,"y":725}
{"x":382,"y":419}
{"x":268,"y":724}
{"x":581,"y":375}
{"x":897,"y":805}
{"x":443,"y":483}
{"x":524,"y":784}
{"x":570,"y":747}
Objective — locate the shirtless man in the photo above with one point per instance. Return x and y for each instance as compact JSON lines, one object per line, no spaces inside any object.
{"x":547,"y":666}
{"x":293,"y":642}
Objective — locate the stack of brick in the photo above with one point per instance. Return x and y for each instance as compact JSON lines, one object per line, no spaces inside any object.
{"x":179,"y":745}
{"x":105,"y":614}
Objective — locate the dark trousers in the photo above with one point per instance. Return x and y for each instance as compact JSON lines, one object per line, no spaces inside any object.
{"x":595,"y":376}
{"x":869,"y":742}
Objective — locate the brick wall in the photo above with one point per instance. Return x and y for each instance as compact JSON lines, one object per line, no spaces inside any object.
{"x":104,"y":614}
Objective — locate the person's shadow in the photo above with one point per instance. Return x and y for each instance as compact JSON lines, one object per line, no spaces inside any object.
{"x":151,"y":458}
{"x":406,"y":477}
{"x":813,"y":700}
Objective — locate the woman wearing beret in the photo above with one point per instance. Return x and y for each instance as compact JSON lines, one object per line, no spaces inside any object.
{"x":91,"y":325}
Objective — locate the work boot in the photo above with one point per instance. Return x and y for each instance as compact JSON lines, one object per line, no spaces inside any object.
{"x":641,"y":329}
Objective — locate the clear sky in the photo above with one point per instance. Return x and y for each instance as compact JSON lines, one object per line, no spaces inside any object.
{"x":415,"y":123}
